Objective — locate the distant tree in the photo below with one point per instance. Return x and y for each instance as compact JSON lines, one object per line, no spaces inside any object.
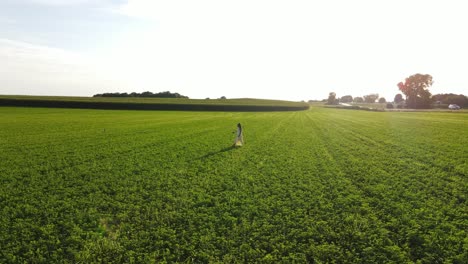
{"x":416,"y":90}
{"x":222,"y":97}
{"x":398,"y":98}
{"x":358,"y":100}
{"x":146,"y":94}
{"x":382,"y":100}
{"x":207,"y":98}
{"x":370,"y":98}
{"x":451,"y":98}
{"x":389,"y":105}
{"x":346,"y":99}
{"x":166,"y":94}
{"x":332,"y":99}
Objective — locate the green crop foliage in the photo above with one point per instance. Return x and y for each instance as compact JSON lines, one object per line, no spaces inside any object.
{"x":316,"y":186}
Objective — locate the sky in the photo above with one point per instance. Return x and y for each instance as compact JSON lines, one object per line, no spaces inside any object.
{"x":290,"y":50}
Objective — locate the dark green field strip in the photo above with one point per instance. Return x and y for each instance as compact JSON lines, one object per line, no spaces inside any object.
{"x":240,"y":101}
{"x":239,"y":105}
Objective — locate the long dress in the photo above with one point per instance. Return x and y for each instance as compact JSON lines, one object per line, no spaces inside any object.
{"x":239,"y":141}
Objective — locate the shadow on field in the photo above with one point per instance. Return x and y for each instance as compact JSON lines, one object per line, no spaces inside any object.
{"x":217,"y":152}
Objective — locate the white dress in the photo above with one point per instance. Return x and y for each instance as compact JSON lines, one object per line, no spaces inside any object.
{"x":239,"y":141}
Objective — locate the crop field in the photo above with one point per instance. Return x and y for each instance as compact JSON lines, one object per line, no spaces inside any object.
{"x":316,"y":186}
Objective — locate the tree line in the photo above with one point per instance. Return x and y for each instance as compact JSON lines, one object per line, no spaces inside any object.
{"x":415,"y":88}
{"x":370,"y":98}
{"x":148,"y":94}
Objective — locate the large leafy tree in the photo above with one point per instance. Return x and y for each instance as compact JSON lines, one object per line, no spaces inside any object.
{"x":332,"y":99}
{"x":416,"y":90}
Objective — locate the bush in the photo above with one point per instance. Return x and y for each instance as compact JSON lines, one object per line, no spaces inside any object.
{"x":389,"y":105}
{"x":440,"y":106}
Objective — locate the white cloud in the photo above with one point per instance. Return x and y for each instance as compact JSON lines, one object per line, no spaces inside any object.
{"x":274,"y":49}
{"x":33,"y":69}
{"x":7,"y":21}
{"x":293,"y":49}
{"x":63,"y":2}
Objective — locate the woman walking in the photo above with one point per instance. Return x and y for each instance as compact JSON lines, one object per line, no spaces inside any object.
{"x":239,"y":141}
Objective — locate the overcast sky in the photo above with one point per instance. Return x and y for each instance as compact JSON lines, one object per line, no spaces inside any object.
{"x":292,"y":50}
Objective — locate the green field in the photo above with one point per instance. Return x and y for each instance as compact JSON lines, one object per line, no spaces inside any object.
{"x":317,"y":186}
